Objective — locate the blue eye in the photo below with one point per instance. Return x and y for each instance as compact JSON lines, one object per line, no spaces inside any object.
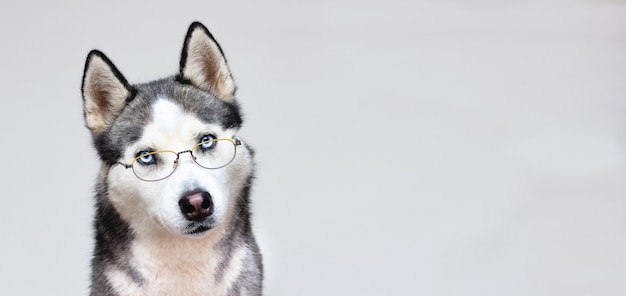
{"x":208,"y":142}
{"x":146,"y":157}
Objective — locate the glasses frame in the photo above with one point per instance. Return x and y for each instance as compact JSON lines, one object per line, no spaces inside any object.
{"x":235,"y":141}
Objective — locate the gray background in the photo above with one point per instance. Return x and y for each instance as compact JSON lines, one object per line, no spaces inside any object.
{"x":404,"y":148}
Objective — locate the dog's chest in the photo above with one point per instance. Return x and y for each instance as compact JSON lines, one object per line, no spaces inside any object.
{"x":181,"y":269}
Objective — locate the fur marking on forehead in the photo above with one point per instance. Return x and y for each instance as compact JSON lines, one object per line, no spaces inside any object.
{"x":167,"y":115}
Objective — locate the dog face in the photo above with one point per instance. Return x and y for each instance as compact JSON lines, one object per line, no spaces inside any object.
{"x":171,"y":157}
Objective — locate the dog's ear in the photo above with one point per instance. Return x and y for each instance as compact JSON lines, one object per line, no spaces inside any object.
{"x":203,"y":64}
{"x":105,"y":92}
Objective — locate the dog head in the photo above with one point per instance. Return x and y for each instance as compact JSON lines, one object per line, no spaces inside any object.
{"x":169,"y":149}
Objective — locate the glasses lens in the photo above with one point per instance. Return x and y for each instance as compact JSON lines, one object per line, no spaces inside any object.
{"x":214,"y":154}
{"x":154,"y":166}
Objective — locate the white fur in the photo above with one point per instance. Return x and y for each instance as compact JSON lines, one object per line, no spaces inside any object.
{"x":122,"y":283}
{"x":172,"y":265}
{"x":168,"y":116}
{"x":167,"y":273}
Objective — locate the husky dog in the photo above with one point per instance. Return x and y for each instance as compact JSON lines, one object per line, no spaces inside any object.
{"x":172,"y":196}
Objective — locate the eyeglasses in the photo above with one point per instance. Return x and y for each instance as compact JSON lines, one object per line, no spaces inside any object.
{"x":211,"y":153}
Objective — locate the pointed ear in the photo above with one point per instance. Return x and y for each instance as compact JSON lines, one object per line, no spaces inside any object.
{"x":203,"y":64}
{"x":105,"y":92}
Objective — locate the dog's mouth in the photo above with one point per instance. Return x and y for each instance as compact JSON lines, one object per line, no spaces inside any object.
{"x":196,"y":228}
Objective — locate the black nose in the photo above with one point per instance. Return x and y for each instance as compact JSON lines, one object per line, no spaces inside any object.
{"x":196,"y":205}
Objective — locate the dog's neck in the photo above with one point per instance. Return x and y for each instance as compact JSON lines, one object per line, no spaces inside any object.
{"x":165,"y":250}
{"x":182,"y":265}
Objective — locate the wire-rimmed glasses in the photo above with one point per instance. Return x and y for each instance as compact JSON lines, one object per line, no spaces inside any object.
{"x":210,"y":154}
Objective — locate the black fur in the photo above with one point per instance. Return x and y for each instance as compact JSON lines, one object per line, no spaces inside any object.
{"x":113,"y":237}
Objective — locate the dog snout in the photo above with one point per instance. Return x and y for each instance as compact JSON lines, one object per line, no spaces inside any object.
{"x":196,"y":205}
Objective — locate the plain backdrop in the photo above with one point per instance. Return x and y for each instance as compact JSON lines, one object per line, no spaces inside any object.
{"x":404,"y":147}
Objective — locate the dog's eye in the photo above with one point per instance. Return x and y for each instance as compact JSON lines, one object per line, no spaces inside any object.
{"x":208,"y":142}
{"x":146,"y":157}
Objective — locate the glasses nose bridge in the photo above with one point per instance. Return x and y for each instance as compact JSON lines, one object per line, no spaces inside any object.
{"x":185,"y":151}
{"x":182,"y":152}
